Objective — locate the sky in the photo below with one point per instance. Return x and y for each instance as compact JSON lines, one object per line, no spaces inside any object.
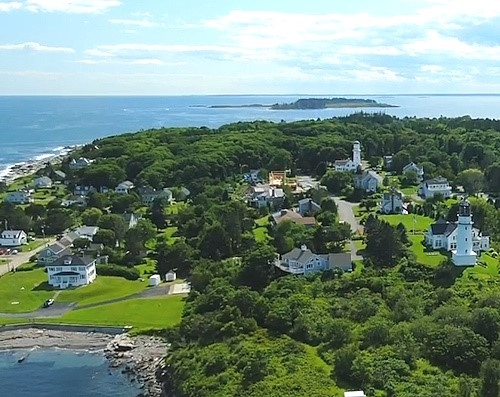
{"x":188,"y":47}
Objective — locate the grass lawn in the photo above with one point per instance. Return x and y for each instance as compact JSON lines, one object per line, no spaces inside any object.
{"x":430,"y":258}
{"x":102,"y":289}
{"x":359,"y":244}
{"x":139,"y":313}
{"x":167,"y":234}
{"x":23,"y":287}
{"x":146,"y":269}
{"x":260,"y":232}
{"x":422,"y":223}
{"x":32,"y":245}
{"x":409,"y":191}
{"x":488,"y":267}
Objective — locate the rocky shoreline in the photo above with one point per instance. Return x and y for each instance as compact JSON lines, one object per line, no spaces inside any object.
{"x":141,"y":358}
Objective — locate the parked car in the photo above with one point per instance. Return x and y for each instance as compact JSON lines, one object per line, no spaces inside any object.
{"x":48,"y":302}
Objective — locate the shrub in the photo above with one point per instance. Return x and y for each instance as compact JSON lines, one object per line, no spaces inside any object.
{"x":130,"y":273}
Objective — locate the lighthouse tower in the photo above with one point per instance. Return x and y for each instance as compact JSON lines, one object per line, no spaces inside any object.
{"x":464,"y":254}
{"x":356,"y":154}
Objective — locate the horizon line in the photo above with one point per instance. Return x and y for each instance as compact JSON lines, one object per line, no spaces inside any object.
{"x":249,"y":95}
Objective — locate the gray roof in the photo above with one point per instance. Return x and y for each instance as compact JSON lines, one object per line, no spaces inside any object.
{"x":437,"y":180}
{"x":87,"y":230}
{"x":60,"y":174}
{"x":443,"y":227}
{"x":75,"y":261}
{"x":301,"y":256}
{"x":342,"y":162}
{"x":341,"y":260}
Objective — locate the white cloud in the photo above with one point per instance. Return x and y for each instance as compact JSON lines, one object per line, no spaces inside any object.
{"x":10,"y":6}
{"x":71,"y":6}
{"x":144,"y":23}
{"x":35,"y":47}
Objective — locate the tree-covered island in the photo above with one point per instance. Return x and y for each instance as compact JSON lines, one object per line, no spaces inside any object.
{"x":400,"y":319}
{"x":315,"y":103}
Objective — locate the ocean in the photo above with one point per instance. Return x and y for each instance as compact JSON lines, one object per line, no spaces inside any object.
{"x":38,"y":127}
{"x":61,"y":373}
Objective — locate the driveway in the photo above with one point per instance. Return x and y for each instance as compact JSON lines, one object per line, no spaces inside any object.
{"x":22,"y":257}
{"x":346,"y":214}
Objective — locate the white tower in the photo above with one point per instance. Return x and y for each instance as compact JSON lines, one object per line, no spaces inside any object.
{"x":464,"y":254}
{"x":356,"y":153}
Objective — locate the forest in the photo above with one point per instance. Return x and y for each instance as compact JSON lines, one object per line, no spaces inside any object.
{"x":393,"y":327}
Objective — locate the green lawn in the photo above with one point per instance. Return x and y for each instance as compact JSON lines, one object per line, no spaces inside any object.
{"x":260,"y":232}
{"x":21,"y":287}
{"x":488,"y":267}
{"x":32,"y":245}
{"x":146,"y":269}
{"x":101,"y":290}
{"x":30,"y":290}
{"x":409,"y":191}
{"x":422,"y":223}
{"x":139,"y":313}
{"x":430,"y":258}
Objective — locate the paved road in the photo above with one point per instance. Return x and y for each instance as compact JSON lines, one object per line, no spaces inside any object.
{"x":23,"y":257}
{"x":346,"y":214}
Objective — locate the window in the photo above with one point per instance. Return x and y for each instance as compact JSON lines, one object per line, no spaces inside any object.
{"x":309,"y":266}
{"x":466,"y":239}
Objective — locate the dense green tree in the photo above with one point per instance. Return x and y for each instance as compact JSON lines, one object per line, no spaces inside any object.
{"x":114,"y":222}
{"x":106,"y":237}
{"x":472,"y":180}
{"x":91,"y":216}
{"x":336,"y":181}
{"x":257,"y":267}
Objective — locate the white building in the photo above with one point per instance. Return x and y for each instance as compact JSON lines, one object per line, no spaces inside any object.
{"x":44,"y":182}
{"x":87,"y":232}
{"x":149,"y":195}
{"x":369,"y":181}
{"x":350,"y":165}
{"x":124,"y":188}
{"x":19,"y":197}
{"x":463,"y":254}
{"x":412,"y":167}
{"x":308,"y":206}
{"x":13,"y":238}
{"x":82,"y":162}
{"x":71,"y":271}
{"x":430,"y":187}
{"x":170,"y":276}
{"x":460,"y":238}
{"x":303,"y":261}
{"x":357,"y":393}
{"x":392,"y":203}
{"x":263,"y":195}
{"x":154,"y":280}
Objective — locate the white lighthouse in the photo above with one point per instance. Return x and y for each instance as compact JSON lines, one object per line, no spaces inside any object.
{"x":356,"y":154}
{"x":464,"y":255}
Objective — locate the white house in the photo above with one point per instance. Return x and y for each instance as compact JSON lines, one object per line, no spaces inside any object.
{"x":263,"y":195}
{"x":170,"y":276}
{"x":71,"y":271}
{"x":124,"y":188}
{"x":82,"y":162}
{"x":13,"y":238}
{"x":154,"y":280}
{"x":308,"y":206}
{"x":388,"y":160}
{"x":431,"y":187}
{"x":460,"y":238}
{"x":392,"y":203}
{"x":19,"y":197}
{"x":149,"y":195}
{"x":130,"y":219}
{"x":303,"y":261}
{"x":369,"y":181}
{"x":87,"y":232}
{"x":44,"y":182}
{"x":350,"y":165}
{"x":416,"y":169}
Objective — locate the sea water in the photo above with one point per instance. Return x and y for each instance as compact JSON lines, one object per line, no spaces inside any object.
{"x":35,"y":126}
{"x":61,"y":373}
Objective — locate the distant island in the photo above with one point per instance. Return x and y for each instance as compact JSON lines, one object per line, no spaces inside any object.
{"x":314,"y":103}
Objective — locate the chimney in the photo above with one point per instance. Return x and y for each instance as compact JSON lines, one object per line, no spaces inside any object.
{"x":303,"y":247}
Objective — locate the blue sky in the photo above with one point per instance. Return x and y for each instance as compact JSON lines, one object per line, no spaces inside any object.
{"x":156,"y":47}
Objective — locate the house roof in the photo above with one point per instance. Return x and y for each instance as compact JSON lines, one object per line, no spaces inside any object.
{"x":126,"y":184}
{"x":87,"y":230}
{"x":387,"y":196}
{"x":341,"y":259}
{"x":58,"y":247}
{"x":284,"y":215}
{"x":15,"y":232}
{"x":60,"y":174}
{"x":438,"y":180}
{"x":75,"y":260}
{"x":342,"y":162}
{"x":128,"y":216}
{"x":306,"y":220}
{"x":299,"y":255}
{"x":443,"y":227}
{"x":45,"y":179}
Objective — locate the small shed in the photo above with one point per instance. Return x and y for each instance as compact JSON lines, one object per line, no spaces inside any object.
{"x":154,"y":280}
{"x":170,"y":276}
